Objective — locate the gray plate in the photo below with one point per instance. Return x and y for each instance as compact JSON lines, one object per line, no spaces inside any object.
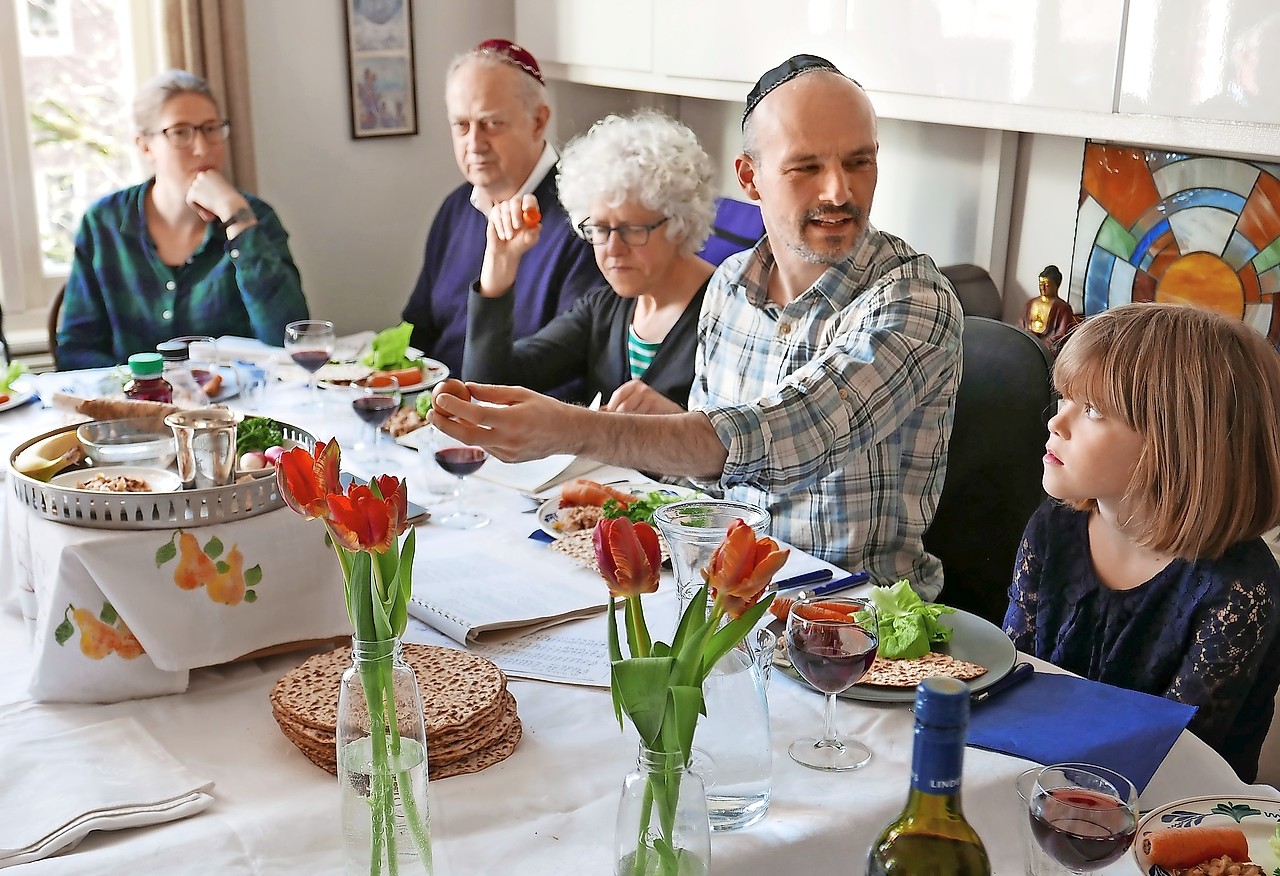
{"x":974,"y":639}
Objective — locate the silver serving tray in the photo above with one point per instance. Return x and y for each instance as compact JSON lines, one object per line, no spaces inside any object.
{"x":184,"y":508}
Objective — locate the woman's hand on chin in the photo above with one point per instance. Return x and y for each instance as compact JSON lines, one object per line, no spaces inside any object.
{"x":213,"y":198}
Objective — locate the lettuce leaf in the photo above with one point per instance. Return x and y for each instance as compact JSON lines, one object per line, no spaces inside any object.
{"x":388,"y":348}
{"x":15,"y":370}
{"x":908,"y":626}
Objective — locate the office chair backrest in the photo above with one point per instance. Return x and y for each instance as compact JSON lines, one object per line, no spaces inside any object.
{"x":737,"y":226}
{"x":976,"y":290}
{"x":55,"y":314}
{"x":994,"y":467}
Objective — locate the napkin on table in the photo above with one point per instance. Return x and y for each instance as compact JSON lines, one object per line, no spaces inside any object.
{"x":59,"y":786}
{"x":1054,"y":718}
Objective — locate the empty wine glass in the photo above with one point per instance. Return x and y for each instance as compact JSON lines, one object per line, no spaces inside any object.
{"x":831,"y":641}
{"x":460,"y":460}
{"x":1083,"y":816}
{"x":310,"y":343}
{"x":376,"y":399}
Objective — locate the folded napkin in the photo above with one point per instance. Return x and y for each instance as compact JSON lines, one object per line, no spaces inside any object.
{"x":59,"y":786}
{"x":1054,"y":718}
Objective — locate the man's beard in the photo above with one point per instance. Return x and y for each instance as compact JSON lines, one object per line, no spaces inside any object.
{"x":814,"y":257}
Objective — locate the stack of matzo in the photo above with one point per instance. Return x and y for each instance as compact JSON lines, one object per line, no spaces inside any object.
{"x":470,"y":716}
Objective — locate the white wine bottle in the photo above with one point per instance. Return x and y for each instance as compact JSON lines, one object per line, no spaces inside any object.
{"x":931,"y":836}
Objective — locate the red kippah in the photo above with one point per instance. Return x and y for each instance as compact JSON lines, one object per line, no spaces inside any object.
{"x":515,"y":54}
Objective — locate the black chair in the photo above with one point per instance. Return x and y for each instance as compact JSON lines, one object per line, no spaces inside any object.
{"x":737,"y":226}
{"x":994,"y":468}
{"x":55,"y":316}
{"x":976,"y":290}
{"x":4,"y":343}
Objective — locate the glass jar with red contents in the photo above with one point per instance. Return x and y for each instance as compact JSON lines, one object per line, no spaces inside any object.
{"x":147,"y":383}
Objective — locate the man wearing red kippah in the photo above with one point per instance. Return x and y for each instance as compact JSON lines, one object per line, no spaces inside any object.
{"x":498,"y":114}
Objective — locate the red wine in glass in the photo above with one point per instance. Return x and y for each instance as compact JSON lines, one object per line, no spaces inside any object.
{"x":461,"y":461}
{"x":374,"y":410}
{"x":1080,"y":828}
{"x":311,"y":360}
{"x":832,"y":658}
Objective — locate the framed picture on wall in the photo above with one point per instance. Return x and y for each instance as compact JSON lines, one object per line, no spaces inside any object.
{"x":384,"y":101}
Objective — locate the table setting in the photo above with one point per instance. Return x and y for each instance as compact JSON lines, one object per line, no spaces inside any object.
{"x":215,"y":706}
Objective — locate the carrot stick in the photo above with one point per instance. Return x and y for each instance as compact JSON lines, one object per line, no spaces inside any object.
{"x":781,"y":607}
{"x":1179,"y":847}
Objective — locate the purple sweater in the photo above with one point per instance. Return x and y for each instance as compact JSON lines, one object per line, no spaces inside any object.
{"x":552,"y":275}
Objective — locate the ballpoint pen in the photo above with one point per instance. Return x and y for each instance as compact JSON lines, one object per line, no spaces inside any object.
{"x":817,"y":576}
{"x":842,"y":584}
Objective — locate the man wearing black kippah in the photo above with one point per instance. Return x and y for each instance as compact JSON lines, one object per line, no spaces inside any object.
{"x":828,"y":357}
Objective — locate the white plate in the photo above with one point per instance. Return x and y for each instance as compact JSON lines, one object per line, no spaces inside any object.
{"x":17,"y":398}
{"x":159,"y":479}
{"x":1258,"y":817}
{"x":549,"y":512}
{"x":434,"y":371}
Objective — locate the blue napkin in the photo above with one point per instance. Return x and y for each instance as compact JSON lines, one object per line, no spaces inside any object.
{"x":1055,"y":718}
{"x":539,"y":535}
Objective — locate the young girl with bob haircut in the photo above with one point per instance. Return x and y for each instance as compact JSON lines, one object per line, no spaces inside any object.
{"x":1145,"y":570}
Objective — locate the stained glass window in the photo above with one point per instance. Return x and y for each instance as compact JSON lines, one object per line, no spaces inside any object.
{"x":1167,"y":226}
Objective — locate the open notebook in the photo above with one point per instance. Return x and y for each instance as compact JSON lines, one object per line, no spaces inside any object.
{"x":471,"y":592}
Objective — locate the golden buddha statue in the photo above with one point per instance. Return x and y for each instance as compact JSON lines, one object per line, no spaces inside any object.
{"x":1048,"y":316}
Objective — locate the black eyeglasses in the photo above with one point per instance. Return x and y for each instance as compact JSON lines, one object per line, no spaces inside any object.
{"x":632,"y":235}
{"x":182,"y":136}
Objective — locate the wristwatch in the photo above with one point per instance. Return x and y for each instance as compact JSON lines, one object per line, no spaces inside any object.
{"x":244,"y":214}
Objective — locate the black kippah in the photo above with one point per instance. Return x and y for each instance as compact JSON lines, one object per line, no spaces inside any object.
{"x":784,"y":72}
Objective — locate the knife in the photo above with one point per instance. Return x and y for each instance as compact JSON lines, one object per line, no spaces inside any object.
{"x":842,"y":584}
{"x":817,"y":576}
{"x":1014,"y":676}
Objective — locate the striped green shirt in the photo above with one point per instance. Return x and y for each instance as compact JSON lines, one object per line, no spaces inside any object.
{"x":640,"y":353}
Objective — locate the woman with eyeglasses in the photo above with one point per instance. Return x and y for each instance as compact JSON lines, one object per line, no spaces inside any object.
{"x":184,"y":252}
{"x":638,"y":189}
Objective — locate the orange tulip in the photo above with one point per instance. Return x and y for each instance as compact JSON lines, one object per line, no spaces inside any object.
{"x":628,"y":556}
{"x":360,"y":521}
{"x":307,"y":479}
{"x":742,"y":567}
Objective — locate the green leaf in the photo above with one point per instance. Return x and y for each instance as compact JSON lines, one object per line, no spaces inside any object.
{"x":906,"y":624}
{"x":253,"y":576}
{"x":388,"y":347}
{"x":685,"y":705}
{"x":166,"y":552}
{"x":108,"y":614}
{"x":642,"y":684}
{"x":733,"y":632}
{"x":359,"y":597}
{"x":64,"y":631}
{"x":12,"y":373}
{"x":250,"y":596}
{"x":213,"y":548}
{"x":693,"y":619}
{"x":222,"y":567}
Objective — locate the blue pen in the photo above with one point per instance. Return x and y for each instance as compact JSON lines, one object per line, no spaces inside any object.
{"x":817,"y":576}
{"x":843,"y":584}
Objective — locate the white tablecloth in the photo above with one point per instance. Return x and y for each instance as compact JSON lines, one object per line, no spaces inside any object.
{"x":550,"y":807}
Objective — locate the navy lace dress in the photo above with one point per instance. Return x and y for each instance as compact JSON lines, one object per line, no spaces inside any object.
{"x":1203,"y":633}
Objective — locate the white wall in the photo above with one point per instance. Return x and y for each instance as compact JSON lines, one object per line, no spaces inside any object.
{"x":357,"y":211}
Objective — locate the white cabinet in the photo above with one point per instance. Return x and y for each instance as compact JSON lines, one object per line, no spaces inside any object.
{"x":590,"y":33}
{"x":1203,"y":59}
{"x":1059,"y":54}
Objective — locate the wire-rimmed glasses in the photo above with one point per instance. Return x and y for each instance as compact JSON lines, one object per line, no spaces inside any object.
{"x":183,"y":135}
{"x":632,"y":235}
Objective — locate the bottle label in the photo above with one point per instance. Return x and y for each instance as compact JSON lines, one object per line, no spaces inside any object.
{"x":938,"y":760}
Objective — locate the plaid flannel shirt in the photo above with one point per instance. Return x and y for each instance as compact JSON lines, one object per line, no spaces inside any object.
{"x":837,"y":408}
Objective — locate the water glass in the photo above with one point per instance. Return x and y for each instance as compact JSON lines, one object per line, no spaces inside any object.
{"x":694,"y":529}
{"x":254,"y":378}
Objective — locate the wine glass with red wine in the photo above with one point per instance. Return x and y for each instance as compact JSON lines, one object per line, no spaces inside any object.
{"x":831,"y":641}
{"x":310,"y":343}
{"x":1083,"y":816}
{"x":460,"y":460}
{"x":376,"y":399}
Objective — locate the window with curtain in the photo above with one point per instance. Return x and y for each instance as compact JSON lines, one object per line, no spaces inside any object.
{"x":68,"y":71}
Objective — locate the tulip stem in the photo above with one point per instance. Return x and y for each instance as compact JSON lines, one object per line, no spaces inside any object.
{"x":639,"y":629}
